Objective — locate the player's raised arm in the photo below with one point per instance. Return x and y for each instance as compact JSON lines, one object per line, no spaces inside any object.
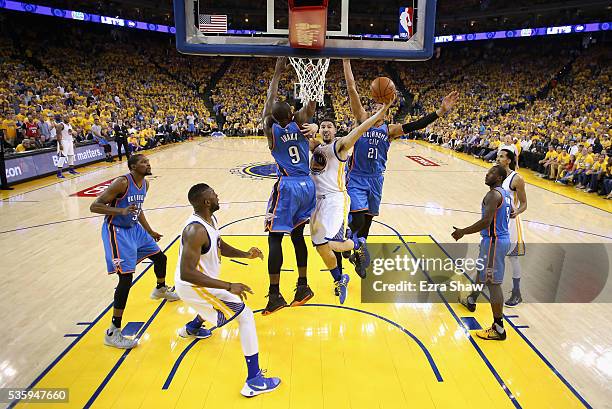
{"x":271,"y":97}
{"x":305,"y":113}
{"x":356,"y":108}
{"x":347,"y":142}
{"x":397,"y":130}
{"x":491,"y":202}
{"x":116,"y":189}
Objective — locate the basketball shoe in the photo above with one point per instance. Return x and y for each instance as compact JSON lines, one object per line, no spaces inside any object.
{"x":114,"y":338}
{"x":259,"y":384}
{"x":166,"y":293}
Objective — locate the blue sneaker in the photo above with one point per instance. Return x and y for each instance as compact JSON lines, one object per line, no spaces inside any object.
{"x":342,"y":287}
{"x":60,"y":176}
{"x":188,"y":332}
{"x":259,"y":384}
{"x":362,"y":258}
{"x":73,"y":172}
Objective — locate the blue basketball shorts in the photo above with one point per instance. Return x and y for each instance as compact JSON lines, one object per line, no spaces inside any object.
{"x":291,"y":203}
{"x":365,"y":193}
{"x":492,"y":259}
{"x":125,"y":247}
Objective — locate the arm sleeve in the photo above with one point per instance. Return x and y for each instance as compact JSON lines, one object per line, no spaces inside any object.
{"x":419,"y":123}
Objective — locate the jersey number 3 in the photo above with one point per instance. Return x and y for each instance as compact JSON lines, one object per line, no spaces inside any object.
{"x":295,"y":154}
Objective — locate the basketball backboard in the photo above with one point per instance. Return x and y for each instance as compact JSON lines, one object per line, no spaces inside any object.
{"x":357,"y":29}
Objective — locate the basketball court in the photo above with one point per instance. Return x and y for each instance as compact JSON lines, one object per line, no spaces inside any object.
{"x":357,"y":355}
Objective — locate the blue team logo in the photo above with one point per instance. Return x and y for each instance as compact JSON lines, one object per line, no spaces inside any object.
{"x":260,"y":170}
{"x":30,"y":8}
{"x":58,"y":13}
{"x":318,"y":162}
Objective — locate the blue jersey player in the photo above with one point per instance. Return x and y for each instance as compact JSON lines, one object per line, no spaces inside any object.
{"x":293,"y":197}
{"x":495,"y":244}
{"x":369,"y":159}
{"x":127,"y":239}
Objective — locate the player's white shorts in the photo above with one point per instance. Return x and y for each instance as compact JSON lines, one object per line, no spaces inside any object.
{"x":517,"y":237}
{"x":67,"y":148}
{"x":329,"y":219}
{"x":216,"y":306}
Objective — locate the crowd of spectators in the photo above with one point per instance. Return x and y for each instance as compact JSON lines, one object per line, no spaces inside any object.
{"x":92,"y":77}
{"x":554,"y":111}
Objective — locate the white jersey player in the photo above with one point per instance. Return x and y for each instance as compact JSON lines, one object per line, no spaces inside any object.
{"x":65,"y":146}
{"x":329,"y":220}
{"x":515,"y":186}
{"x":216,"y":301}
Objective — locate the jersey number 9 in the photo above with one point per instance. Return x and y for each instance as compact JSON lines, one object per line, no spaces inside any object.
{"x":294,"y":153}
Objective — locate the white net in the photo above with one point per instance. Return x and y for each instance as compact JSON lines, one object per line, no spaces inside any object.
{"x":311,"y":78}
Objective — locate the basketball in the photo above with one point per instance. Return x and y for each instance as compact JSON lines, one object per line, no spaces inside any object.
{"x":383,"y":90}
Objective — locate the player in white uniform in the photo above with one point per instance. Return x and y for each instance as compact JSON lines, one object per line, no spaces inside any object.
{"x":329,"y":220}
{"x":216,"y":301}
{"x":65,"y":146}
{"x":515,"y":186}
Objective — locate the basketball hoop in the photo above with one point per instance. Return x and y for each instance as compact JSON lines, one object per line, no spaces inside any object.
{"x":311,"y":77}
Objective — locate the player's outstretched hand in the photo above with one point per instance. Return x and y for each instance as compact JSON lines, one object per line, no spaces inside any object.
{"x":449,"y":102}
{"x":240,"y":290}
{"x":156,"y":236}
{"x":281,"y":64}
{"x":457,"y":234}
{"x":254,"y":252}
{"x":131,"y":209}
{"x":309,"y":130}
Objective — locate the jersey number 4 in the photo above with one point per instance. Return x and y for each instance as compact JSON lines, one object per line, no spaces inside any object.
{"x":294,"y":153}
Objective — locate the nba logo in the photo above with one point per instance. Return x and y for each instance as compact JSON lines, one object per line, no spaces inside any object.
{"x":405,"y":22}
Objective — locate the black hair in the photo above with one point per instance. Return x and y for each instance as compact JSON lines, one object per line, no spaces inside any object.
{"x":133,"y":159}
{"x":501,"y":171}
{"x":195,"y":192}
{"x":281,"y":111}
{"x":512,"y":158}
{"x":328,"y":120}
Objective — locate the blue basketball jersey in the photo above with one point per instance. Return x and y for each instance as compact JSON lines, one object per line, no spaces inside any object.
{"x":499,"y":226}
{"x":369,"y":156}
{"x":290,"y":150}
{"x":133,"y":196}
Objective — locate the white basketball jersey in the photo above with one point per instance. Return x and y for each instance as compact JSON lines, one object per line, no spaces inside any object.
{"x":66,"y":134}
{"x":327,"y":170}
{"x":210,"y":259}
{"x":506,"y":185}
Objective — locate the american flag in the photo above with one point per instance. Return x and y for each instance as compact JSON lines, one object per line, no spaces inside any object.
{"x":213,"y":23}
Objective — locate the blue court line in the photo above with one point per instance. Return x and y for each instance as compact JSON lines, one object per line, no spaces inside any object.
{"x":465,"y":330}
{"x":430,"y":359}
{"x":533,"y":347}
{"x":521,"y":326}
{"x":238,"y":262}
{"x":71,"y":335}
{"x":77,"y":339}
{"x":83,"y":323}
{"x":397,"y":248}
{"x":122,"y":358}
{"x":177,"y":363}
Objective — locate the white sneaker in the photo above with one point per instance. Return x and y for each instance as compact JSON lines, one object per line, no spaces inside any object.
{"x":114,"y":338}
{"x":166,"y":293}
